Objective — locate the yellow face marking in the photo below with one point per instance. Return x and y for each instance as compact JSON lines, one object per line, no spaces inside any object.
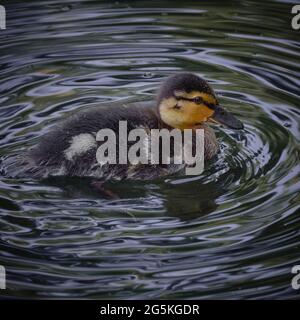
{"x":186,"y":115}
{"x":194,"y":113}
{"x":193,"y":94}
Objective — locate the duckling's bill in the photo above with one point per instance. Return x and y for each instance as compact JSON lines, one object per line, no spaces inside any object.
{"x":222,"y":116}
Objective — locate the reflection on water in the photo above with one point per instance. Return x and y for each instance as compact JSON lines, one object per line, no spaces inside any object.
{"x":232,"y":232}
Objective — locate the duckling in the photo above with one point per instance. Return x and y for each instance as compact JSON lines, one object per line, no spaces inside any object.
{"x":184,"y":101}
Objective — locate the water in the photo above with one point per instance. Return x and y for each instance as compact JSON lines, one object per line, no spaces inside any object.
{"x":232,"y":232}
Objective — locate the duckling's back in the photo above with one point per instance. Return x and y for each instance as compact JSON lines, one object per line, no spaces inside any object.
{"x":70,"y":148}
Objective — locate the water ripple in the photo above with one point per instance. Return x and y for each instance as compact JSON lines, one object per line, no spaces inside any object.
{"x":232,"y":232}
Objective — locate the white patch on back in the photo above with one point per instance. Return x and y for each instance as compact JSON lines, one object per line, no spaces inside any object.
{"x":80,"y":144}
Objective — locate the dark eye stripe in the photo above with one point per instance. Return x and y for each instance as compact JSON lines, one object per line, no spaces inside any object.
{"x":198,"y":100}
{"x":202,"y":101}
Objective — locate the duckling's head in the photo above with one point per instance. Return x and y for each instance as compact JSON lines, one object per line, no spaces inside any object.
{"x":186,"y":101}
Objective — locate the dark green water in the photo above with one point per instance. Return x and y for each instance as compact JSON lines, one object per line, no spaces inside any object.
{"x":232,"y":232}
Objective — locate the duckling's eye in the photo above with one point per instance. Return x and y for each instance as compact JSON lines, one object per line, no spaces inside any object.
{"x":198,"y":100}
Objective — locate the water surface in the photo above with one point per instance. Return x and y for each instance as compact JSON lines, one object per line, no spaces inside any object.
{"x":232,"y":232}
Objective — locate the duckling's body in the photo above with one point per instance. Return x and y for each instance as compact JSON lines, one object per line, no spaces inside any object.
{"x":70,"y":148}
